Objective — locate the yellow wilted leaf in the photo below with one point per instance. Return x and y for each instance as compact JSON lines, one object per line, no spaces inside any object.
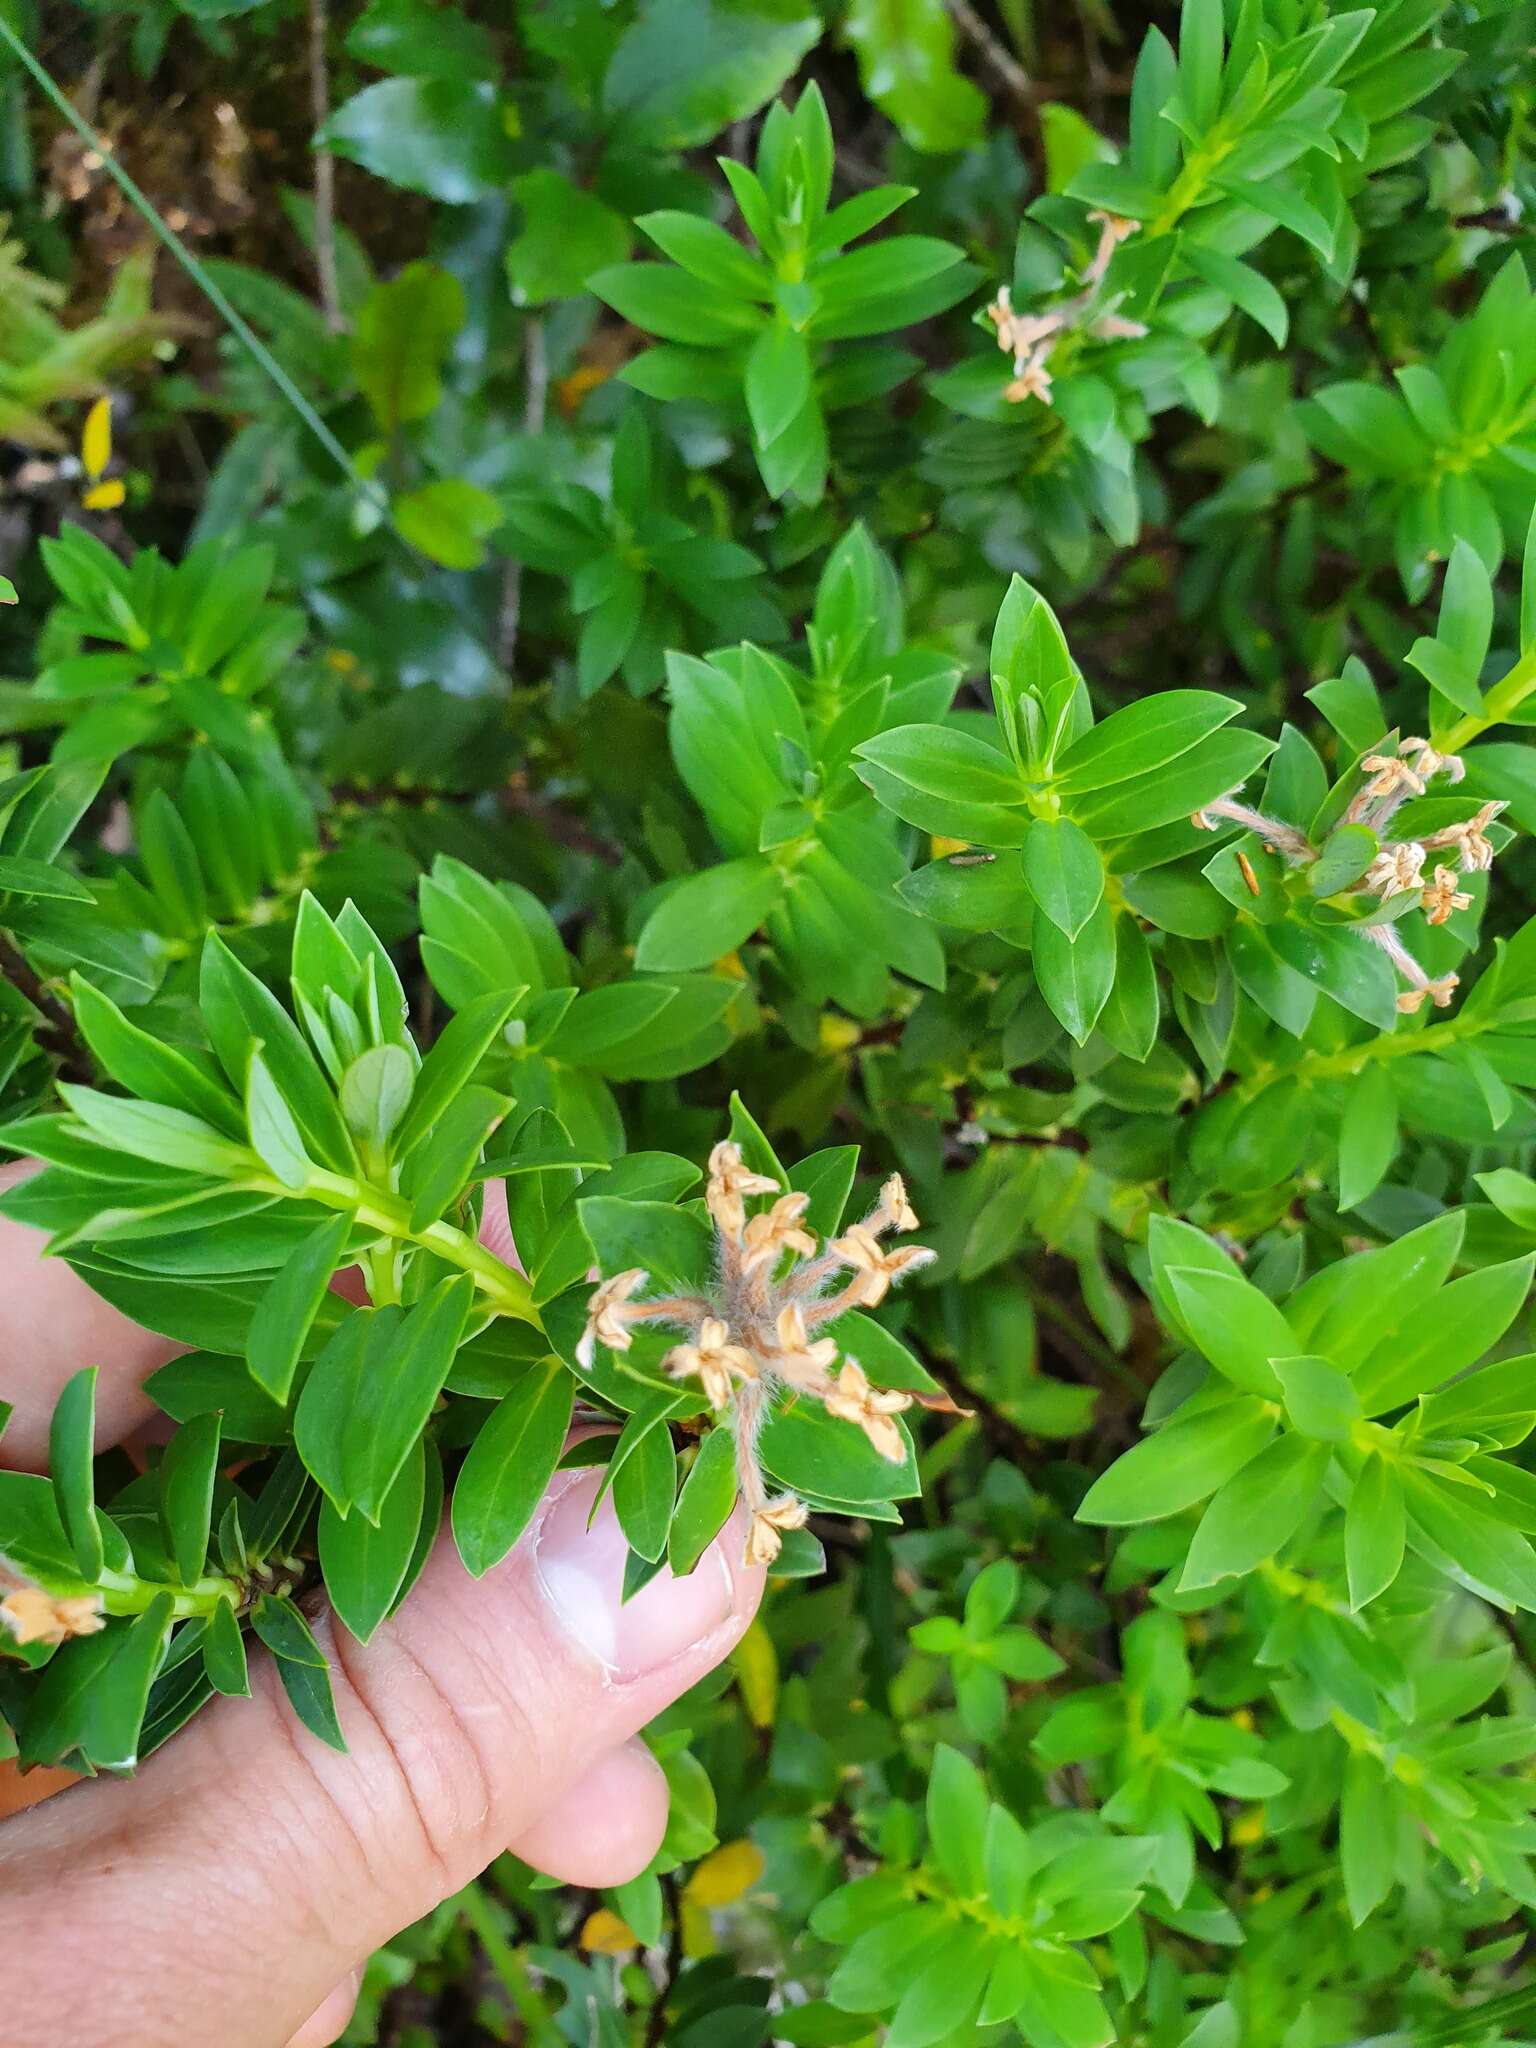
{"x":605,"y":1934}
{"x":96,"y":439}
{"x":756,"y":1664}
{"x":1248,"y":1826}
{"x":725,"y":1875}
{"x":836,"y":1034}
{"x":941,"y":848}
{"x":695,"y":1932}
{"x":104,"y":497}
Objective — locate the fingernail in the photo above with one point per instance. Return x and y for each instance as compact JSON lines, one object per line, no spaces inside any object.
{"x":581,"y":1571}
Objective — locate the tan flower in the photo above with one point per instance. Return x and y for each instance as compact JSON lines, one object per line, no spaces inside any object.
{"x":874,"y":1266}
{"x":853,"y":1399}
{"x":1390,"y":774}
{"x":1439,"y":990}
{"x":894,"y":1211}
{"x":765,"y":1537}
{"x":1441,"y":896}
{"x":1395,"y":870}
{"x":33,"y":1616}
{"x":714,"y":1359}
{"x":609,"y":1316}
{"x":1474,"y":849}
{"x":799,"y":1358}
{"x":731,"y":1181}
{"x":1430,"y":763}
{"x":1031,"y":379}
{"x":1017,"y":333}
{"x":776,"y":1231}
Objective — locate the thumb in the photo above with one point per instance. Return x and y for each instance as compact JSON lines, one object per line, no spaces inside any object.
{"x":468,"y":1718}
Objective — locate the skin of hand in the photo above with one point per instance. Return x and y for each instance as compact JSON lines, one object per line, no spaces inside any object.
{"x":230,"y":1891}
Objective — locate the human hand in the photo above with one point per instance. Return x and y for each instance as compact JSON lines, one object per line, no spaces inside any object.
{"x":231,"y":1890}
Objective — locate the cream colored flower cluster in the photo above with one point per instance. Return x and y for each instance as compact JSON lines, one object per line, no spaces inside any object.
{"x":755,"y":1333}
{"x":1398,"y":869}
{"x":1030,"y":337}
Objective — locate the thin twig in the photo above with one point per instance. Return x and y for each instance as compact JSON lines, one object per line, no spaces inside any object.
{"x":536,"y":387}
{"x":325,"y":167}
{"x":1001,"y":59}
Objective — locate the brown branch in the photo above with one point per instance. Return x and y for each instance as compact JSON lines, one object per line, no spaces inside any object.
{"x":560,"y":824}
{"x":58,"y":1022}
{"x":536,"y":389}
{"x":1000,"y":59}
{"x":325,"y":169}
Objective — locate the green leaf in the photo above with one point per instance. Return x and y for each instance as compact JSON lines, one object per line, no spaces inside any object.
{"x":187,"y":1474}
{"x":445,"y":137}
{"x":71,"y":1455}
{"x":1248,"y":289}
{"x":274,"y":1131}
{"x":509,"y":1465}
{"x":1367,"y":1836}
{"x":673,"y":1247}
{"x":403,"y":333}
{"x":906,"y":56}
{"x":223,"y":1651}
{"x":448,"y":520}
{"x":166,"y":1137}
{"x":1256,"y":1512}
{"x":286,"y":1633}
{"x":1367,"y":1135}
{"x":1075,"y":976}
{"x":1065,"y":875}
{"x":370,"y":1392}
{"x":957,"y":1822}
{"x":239,"y":1012}
{"x":39,"y":878}
{"x":1375,"y":1531}
{"x":705,"y":1502}
{"x":1239,"y":1329}
{"x":1201,"y":43}
{"x":778,"y":381}
{"x":374,"y":1093}
{"x":1347,"y":852}
{"x":1129,"y":1018}
{"x":308,"y":1686}
{"x":287,"y":1310}
{"x":673,"y":305}
{"x":202,"y":1384}
{"x":452,"y":1061}
{"x":365,"y":1564}
{"x":566,"y":234}
{"x":1320,"y":1400}
{"x":1142,"y":737}
{"x":120,"y":1696}
{"x":710,"y":914}
{"x":645,"y":1491}
{"x":440,"y":1169}
{"x":684,"y":70}
{"x":1179,"y":1465}
{"x":147,"y":1066}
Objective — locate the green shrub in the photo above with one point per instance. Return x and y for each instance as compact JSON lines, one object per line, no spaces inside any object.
{"x":965,"y":732}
